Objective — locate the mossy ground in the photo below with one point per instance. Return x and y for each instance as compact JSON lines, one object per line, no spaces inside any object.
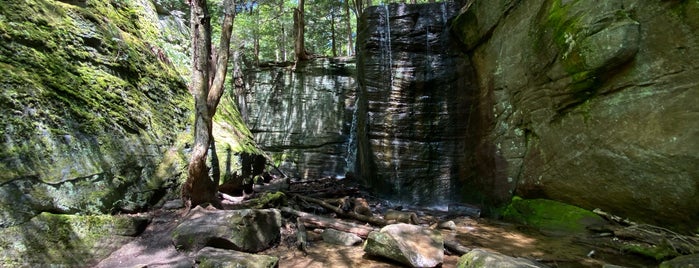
{"x":549,"y":215}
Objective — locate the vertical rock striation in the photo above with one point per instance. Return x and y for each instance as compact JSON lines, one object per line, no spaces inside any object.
{"x":304,"y":117}
{"x":414,"y":129}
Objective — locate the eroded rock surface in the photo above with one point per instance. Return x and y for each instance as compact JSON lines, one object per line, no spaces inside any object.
{"x":589,"y":103}
{"x":248,"y":230}
{"x":413,"y":128}
{"x":408,"y":244}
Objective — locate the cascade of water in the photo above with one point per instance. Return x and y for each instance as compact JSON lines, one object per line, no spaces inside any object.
{"x":351,"y":157}
{"x":387,"y":41}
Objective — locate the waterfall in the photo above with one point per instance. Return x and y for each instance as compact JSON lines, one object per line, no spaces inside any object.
{"x":351,"y":157}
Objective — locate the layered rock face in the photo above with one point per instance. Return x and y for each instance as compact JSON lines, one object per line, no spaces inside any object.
{"x":304,"y":117}
{"x":90,"y":106}
{"x":413,"y":130}
{"x":591,"y":103}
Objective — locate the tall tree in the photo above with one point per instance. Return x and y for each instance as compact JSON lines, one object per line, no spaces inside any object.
{"x":207,"y":91}
{"x":350,"y":43}
{"x":299,"y":28}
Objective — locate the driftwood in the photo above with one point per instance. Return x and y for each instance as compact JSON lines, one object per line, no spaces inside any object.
{"x":647,"y":238}
{"x":346,"y":214}
{"x":312,"y":220}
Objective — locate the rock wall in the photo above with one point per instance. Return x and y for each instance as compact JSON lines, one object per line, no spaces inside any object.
{"x":304,"y":117}
{"x":90,"y":109}
{"x":414,"y":133}
{"x":592,"y":103}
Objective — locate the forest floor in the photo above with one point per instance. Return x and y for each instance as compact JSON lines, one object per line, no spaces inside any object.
{"x":154,"y":247}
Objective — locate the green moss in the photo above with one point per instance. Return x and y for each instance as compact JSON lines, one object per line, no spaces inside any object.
{"x":549,"y":215}
{"x":564,"y":28}
{"x":66,"y":239}
{"x":269,"y":200}
{"x":657,"y":252}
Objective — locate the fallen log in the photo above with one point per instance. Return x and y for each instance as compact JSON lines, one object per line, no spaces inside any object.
{"x":316,"y":221}
{"x":349,"y":214}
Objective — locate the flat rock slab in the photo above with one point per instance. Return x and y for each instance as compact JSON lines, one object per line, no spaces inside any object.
{"x":336,"y":237}
{"x":248,"y":230}
{"x":223,"y":258}
{"x":479,"y":258}
{"x":412,"y":245}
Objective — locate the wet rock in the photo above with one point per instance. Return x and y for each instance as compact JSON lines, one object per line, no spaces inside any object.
{"x":479,"y":258}
{"x":248,"y":230}
{"x":333,"y":236}
{"x":222,"y":258}
{"x":408,"y":244}
{"x":414,"y":100}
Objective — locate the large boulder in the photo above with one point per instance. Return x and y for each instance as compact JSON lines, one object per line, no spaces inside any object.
{"x":210,"y":257}
{"x":479,"y":258}
{"x":589,"y":103}
{"x":408,"y":244}
{"x":66,"y":240}
{"x":248,"y":230}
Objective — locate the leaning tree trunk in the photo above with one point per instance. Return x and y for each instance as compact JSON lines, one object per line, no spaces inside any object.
{"x":199,"y":187}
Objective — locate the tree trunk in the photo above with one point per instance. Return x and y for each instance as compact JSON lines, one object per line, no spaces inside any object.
{"x":299,"y":25}
{"x":350,"y":44}
{"x":199,"y":187}
{"x":332,"y":33}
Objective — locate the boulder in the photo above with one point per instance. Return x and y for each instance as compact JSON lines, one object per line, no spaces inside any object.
{"x":588,"y":103}
{"x":248,"y":230}
{"x":550,"y":216}
{"x":411,"y":245}
{"x":66,"y":240}
{"x":333,"y":236}
{"x":479,"y":258}
{"x":682,"y":261}
{"x":210,"y":257}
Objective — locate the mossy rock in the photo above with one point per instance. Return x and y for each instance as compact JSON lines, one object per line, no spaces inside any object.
{"x":66,"y":240}
{"x":549,"y":215}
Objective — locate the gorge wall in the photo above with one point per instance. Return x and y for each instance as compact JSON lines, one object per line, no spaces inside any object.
{"x":414,"y":132}
{"x":589,"y":102}
{"x":90,"y":106}
{"x":303,"y":117}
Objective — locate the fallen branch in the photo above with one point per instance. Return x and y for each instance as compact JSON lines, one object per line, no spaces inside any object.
{"x":613,"y":218}
{"x":349,"y":214}
{"x":312,"y":220}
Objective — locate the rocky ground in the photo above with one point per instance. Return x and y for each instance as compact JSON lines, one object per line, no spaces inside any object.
{"x":155,"y":247}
